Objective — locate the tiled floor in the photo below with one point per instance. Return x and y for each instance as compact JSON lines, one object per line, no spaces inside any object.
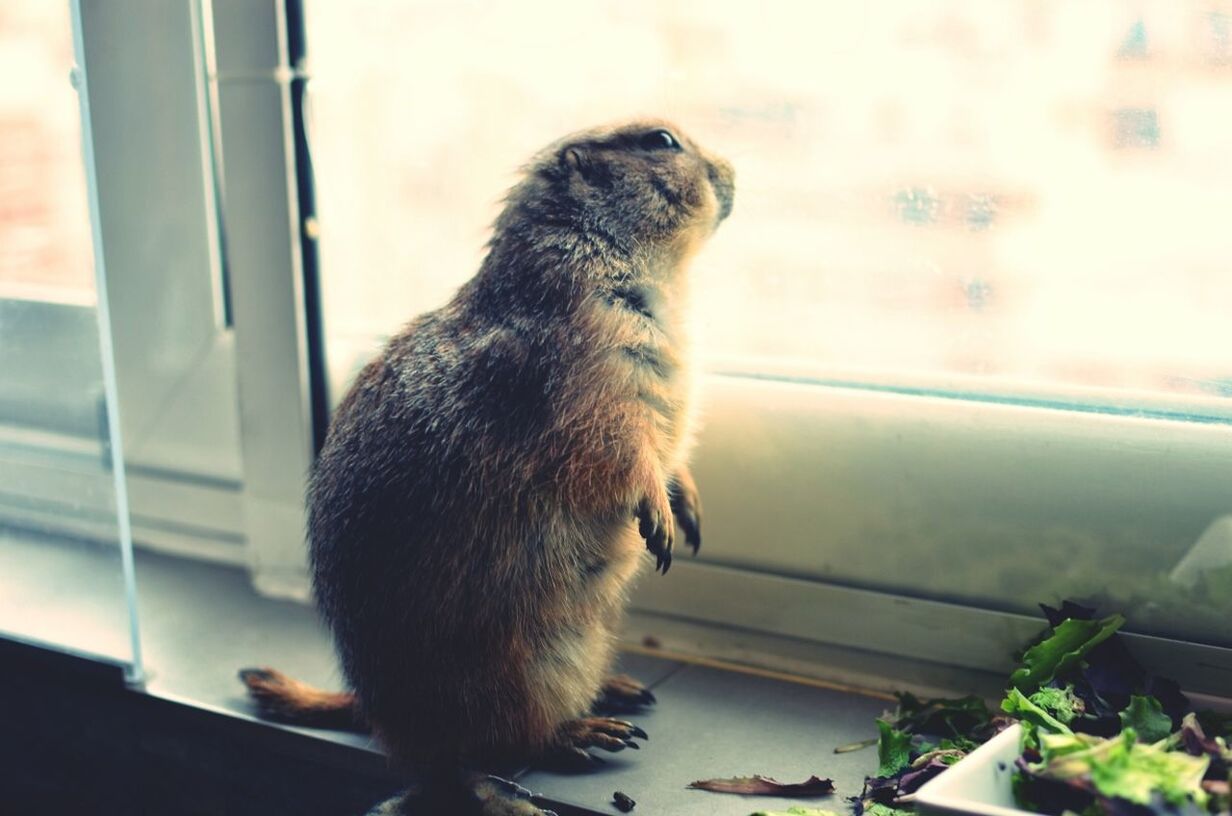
{"x":200,"y":623}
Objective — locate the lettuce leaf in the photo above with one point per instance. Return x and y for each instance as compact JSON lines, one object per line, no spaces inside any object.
{"x":1136,"y":772}
{"x":1122,"y":767}
{"x":1017,"y":704}
{"x":878,"y":809}
{"x":954,"y":718}
{"x":1062,"y":650}
{"x":893,"y":749}
{"x":1145,"y":715}
{"x":1061,"y":703}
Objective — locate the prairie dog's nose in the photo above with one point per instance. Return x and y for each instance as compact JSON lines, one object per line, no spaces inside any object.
{"x":723,"y":180}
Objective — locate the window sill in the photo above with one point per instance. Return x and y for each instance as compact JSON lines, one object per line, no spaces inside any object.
{"x":201,"y":622}
{"x":187,"y":742}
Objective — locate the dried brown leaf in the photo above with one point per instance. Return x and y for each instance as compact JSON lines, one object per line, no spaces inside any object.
{"x":757,"y":785}
{"x":856,"y":746}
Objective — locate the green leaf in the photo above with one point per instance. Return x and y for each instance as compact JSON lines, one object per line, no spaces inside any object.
{"x":958,"y":744}
{"x":1134,"y":772}
{"x":1062,"y":650}
{"x":1055,"y":746}
{"x":1018,"y":705}
{"x":941,"y":716}
{"x":1122,"y":767}
{"x":878,"y":809}
{"x":946,"y":756}
{"x":893,"y":749}
{"x":1061,"y":703}
{"x":1146,"y":717}
{"x":796,"y":811}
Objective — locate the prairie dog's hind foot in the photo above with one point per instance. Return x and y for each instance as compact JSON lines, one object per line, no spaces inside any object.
{"x":501,"y":797}
{"x":569,"y":752}
{"x":623,"y":694}
{"x":472,"y":795}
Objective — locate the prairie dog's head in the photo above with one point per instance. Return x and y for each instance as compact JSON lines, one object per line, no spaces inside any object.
{"x":643,"y":185}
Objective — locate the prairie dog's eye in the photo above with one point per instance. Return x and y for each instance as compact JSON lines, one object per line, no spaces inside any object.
{"x":659,"y":140}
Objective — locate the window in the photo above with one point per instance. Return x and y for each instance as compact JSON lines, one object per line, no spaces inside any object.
{"x":962,"y":327}
{"x":964,"y":338}
{"x":192,"y":325}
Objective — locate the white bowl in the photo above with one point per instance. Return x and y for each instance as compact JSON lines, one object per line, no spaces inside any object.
{"x":980,"y":783}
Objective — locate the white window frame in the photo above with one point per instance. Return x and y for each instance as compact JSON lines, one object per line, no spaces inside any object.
{"x":174,"y":348}
{"x":264,"y":232}
{"x":213,"y":391}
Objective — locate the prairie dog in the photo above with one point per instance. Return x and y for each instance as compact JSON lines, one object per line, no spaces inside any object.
{"x":490,"y":483}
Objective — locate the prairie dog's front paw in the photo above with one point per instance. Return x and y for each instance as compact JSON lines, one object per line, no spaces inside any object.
{"x":687,"y":508}
{"x":658,"y":527}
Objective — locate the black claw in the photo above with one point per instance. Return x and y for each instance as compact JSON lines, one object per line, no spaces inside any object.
{"x":647,"y":696}
{"x":631,"y":744}
{"x":692,"y":531}
{"x":637,"y":732}
{"x":666,"y":561}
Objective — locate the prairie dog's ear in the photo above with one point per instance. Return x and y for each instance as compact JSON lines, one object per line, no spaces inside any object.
{"x":576,"y":160}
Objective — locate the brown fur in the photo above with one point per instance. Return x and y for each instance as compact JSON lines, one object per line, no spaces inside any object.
{"x":490,"y":482}
{"x":285,"y":699}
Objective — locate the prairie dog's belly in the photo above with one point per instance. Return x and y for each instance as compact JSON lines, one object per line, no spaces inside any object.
{"x":576,"y":656}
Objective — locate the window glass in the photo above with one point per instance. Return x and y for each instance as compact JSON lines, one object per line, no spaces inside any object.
{"x":985,"y":197}
{"x":1021,"y":202}
{"x":44,"y":229}
{"x":64,"y":590}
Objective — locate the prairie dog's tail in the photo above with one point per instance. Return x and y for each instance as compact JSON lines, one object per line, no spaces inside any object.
{"x":286,"y":700}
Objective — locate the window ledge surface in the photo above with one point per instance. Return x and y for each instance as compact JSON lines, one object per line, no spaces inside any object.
{"x":202,"y":622}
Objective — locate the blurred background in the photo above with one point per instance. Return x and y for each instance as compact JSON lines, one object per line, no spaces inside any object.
{"x":1027,"y":192}
{"x":1038,"y":196}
